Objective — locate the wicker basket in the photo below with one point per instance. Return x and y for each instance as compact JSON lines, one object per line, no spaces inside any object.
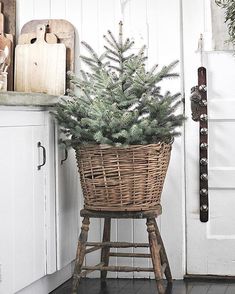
{"x":123,"y":179}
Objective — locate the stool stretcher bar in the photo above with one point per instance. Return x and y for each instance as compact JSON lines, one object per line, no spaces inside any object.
{"x":121,"y":254}
{"x":117,"y":244}
{"x":118,"y":268}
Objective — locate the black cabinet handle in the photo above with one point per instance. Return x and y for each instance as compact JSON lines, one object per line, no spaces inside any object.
{"x":65,"y":156}
{"x":43,"y":154}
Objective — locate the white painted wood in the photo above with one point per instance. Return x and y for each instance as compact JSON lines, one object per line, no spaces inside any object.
{"x":210,"y":246}
{"x":42,"y":9}
{"x":28,"y":209}
{"x":50,"y":282}
{"x":74,"y":16}
{"x":24,"y":117}
{"x":136,"y":27}
{"x":172,"y":219}
{"x":222,"y":178}
{"x":146,"y":21}
{"x":23,"y":207}
{"x":67,"y":212}
{"x":58,"y":8}
{"x":24,"y":13}
{"x":140,"y":235}
{"x":107,"y":11}
{"x":90,"y":33}
{"x":221,"y":111}
{"x":125,"y":231}
{"x":50,"y":190}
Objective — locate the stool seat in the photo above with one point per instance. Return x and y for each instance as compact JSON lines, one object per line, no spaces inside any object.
{"x":122,"y":214}
{"x":160,"y":264}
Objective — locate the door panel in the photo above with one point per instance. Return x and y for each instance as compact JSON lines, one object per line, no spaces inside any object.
{"x":210,"y":246}
{"x":22,"y":202}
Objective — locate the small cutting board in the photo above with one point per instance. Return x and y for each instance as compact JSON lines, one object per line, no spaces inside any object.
{"x":63,"y":30}
{"x":40,"y":67}
{"x":30,"y":38}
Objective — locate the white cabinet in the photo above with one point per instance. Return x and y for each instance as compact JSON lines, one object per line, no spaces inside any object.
{"x":67,"y":206}
{"x":38,"y":199}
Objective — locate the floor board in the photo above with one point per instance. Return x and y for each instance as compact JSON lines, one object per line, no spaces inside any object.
{"x":146,"y":286}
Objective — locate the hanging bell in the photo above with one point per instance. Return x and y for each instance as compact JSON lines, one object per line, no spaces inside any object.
{"x":203,"y":88}
{"x":203,"y":192}
{"x":203,"y":117}
{"x":204,"y":177}
{"x":203,"y":131}
{"x":203,"y":145}
{"x":204,"y":207}
{"x":204,"y":102}
{"x":203,"y":161}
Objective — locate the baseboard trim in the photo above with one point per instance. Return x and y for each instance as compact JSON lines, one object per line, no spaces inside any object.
{"x":212,"y":278}
{"x":50,"y":282}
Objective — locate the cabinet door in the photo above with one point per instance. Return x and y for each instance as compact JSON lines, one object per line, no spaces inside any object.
{"x":68,"y":205}
{"x":22,"y":201}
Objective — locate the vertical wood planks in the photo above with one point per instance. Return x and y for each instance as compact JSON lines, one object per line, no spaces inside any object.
{"x":136,"y":26}
{"x":89,"y":32}
{"x":193,"y":12}
{"x":107,"y":12}
{"x":153,"y":32}
{"x":125,"y":233}
{"x":172,"y":219}
{"x":58,"y":8}
{"x":25,"y":12}
{"x":74,"y":16}
{"x":159,"y":26}
{"x":42,"y":9}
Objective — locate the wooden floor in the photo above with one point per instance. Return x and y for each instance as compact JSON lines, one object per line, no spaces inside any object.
{"x":144,"y":286}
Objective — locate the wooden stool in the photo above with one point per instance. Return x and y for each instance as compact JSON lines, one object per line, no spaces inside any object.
{"x":157,"y":250}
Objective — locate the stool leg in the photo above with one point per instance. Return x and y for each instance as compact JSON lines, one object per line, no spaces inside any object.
{"x":105,"y":250}
{"x":163,"y":254}
{"x":156,"y":260}
{"x":80,"y":253}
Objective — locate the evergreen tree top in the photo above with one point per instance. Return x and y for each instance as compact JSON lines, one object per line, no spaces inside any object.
{"x":229,"y":6}
{"x":118,"y":102}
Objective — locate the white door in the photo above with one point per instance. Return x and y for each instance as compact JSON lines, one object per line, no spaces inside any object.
{"x":210,"y":245}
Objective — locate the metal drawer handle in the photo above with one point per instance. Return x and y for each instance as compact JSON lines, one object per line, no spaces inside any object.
{"x":65,"y":156}
{"x":43,"y":154}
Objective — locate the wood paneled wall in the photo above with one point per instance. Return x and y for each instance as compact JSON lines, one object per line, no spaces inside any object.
{"x":157,"y":24}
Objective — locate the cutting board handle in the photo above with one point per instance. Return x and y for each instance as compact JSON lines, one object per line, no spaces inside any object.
{"x":41,"y":31}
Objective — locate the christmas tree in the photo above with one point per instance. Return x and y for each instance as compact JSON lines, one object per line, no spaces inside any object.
{"x":118,"y":102}
{"x":229,"y":6}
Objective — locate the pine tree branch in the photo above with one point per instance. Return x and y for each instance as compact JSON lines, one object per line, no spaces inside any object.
{"x":115,"y":44}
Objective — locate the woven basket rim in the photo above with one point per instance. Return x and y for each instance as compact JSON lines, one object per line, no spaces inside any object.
{"x":138,"y":146}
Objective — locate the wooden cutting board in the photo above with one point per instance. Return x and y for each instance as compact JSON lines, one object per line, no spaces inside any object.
{"x":6,"y":40}
{"x":9,"y":9}
{"x":63,"y":30}
{"x":30,"y":38}
{"x":40,"y":67}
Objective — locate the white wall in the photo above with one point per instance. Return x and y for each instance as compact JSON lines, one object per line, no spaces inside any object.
{"x":157,"y":24}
